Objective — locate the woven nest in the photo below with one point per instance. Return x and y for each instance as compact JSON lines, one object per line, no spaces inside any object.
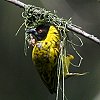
{"x":35,"y":16}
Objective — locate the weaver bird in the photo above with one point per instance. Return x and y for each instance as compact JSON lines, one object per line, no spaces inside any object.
{"x":45,"y":40}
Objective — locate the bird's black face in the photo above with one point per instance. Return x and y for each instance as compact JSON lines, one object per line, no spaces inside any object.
{"x":37,"y":34}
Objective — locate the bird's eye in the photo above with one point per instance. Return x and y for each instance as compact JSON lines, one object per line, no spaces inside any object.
{"x":40,"y":31}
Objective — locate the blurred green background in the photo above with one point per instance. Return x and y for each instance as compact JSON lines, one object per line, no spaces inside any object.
{"x":19,"y":79}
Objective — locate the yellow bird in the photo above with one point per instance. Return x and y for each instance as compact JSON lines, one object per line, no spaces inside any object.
{"x":45,"y":40}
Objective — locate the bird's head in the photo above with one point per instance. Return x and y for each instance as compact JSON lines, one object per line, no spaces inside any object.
{"x":37,"y":34}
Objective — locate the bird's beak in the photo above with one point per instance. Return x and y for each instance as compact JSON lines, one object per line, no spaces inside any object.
{"x":32,"y":40}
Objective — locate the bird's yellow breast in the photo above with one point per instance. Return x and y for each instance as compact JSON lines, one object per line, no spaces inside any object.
{"x":47,"y":49}
{"x":45,"y":54}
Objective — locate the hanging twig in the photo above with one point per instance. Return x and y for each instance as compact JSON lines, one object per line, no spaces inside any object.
{"x":69,"y":26}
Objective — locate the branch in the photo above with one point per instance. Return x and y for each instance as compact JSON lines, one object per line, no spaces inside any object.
{"x":83,"y":33}
{"x":17,"y":3}
{"x":69,"y":26}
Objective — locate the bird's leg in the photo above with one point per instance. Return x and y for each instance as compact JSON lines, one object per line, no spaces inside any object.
{"x":66,"y":63}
